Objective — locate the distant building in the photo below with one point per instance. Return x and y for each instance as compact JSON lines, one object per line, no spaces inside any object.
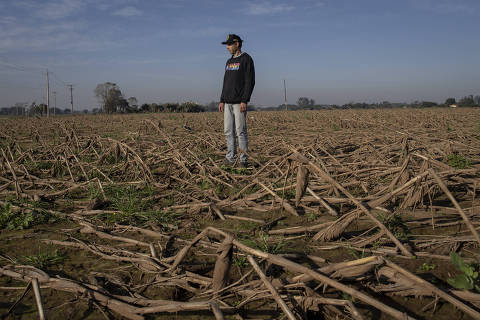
{"x":453,"y":106}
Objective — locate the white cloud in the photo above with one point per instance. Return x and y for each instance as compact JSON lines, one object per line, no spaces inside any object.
{"x":60,"y":9}
{"x":128,"y":12}
{"x":25,"y":4}
{"x":315,"y":4}
{"x":104,"y":5}
{"x":55,"y":9}
{"x":449,"y":6}
{"x":45,"y":36}
{"x":267,"y":7}
{"x":7,"y":20}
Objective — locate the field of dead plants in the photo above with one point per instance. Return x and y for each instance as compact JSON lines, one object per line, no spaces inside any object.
{"x":366,"y":214}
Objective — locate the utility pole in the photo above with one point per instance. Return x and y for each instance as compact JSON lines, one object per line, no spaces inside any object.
{"x":285,"y":93}
{"x":55,"y":102}
{"x":48,"y":97}
{"x":71,"y":97}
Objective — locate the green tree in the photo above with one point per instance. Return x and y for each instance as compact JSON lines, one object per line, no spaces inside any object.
{"x":42,"y":107}
{"x":428,"y":104}
{"x":450,"y":101}
{"x":122,"y":105}
{"x":132,"y":103}
{"x":467,"y":101}
{"x":191,"y":107}
{"x":303,"y":102}
{"x":110,"y":96}
{"x":476,"y":100}
{"x":171,"y":107}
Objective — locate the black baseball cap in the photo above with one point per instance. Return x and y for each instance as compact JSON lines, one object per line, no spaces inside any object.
{"x":232,"y":38}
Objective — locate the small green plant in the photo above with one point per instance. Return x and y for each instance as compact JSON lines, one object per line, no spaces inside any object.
{"x":236,"y":303}
{"x":458,"y":161}
{"x":240,"y":261}
{"x":312,"y":217}
{"x":468,"y":280}
{"x":44,"y":259}
{"x":376,"y":244}
{"x":204,"y":185}
{"x":94,"y":192}
{"x":335,"y":127}
{"x":425,"y":267}
{"x":44,"y":165}
{"x":169,"y":201}
{"x":219,"y":189}
{"x":24,"y":219}
{"x":355,"y":254}
{"x":396,"y":225}
{"x":249,"y":242}
{"x":265,"y":246}
{"x":128,"y":199}
{"x":348,"y":297}
{"x":247,"y":226}
{"x":234,"y":170}
{"x":140,"y":218}
{"x":134,"y":207}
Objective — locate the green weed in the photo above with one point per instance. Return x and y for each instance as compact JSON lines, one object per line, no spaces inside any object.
{"x":247,"y":226}
{"x":425,"y":267}
{"x":44,"y":165}
{"x":140,"y":218}
{"x":458,"y":161}
{"x":24,"y":219}
{"x":233,"y":170}
{"x":265,"y":246}
{"x":249,"y":242}
{"x":94,"y":192}
{"x":44,"y":259}
{"x":240,"y":261}
{"x":204,"y":185}
{"x":355,"y":254}
{"x":132,"y":207}
{"x":348,"y":297}
{"x":128,"y":199}
{"x":468,"y":279}
{"x":396,"y":226}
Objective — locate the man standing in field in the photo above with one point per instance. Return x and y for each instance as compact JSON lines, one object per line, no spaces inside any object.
{"x":238,"y":84}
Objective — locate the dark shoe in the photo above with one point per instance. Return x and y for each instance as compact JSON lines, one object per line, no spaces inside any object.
{"x":227,"y":163}
{"x":244,"y":165}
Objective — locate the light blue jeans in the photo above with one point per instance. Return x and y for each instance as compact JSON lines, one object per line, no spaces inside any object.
{"x":235,"y":121}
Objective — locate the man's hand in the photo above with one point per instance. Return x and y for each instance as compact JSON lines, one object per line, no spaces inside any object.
{"x":243,"y":107}
{"x":221,"y":105}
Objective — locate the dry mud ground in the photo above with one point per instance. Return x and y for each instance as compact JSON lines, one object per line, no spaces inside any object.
{"x":350,"y":214}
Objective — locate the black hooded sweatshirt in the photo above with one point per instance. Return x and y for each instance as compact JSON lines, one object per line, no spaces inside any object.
{"x":239,"y":79}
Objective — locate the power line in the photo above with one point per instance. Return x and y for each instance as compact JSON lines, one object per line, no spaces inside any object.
{"x":20,"y":68}
{"x":40,"y":71}
{"x":58,"y":79}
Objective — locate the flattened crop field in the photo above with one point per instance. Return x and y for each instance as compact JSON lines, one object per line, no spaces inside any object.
{"x":342,"y":214}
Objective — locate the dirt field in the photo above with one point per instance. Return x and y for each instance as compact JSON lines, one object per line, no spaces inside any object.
{"x":348,"y":214}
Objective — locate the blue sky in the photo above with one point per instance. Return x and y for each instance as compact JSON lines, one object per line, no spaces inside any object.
{"x":334,"y":51}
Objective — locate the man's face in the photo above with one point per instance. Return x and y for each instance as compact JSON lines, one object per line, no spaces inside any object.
{"x":232,"y":48}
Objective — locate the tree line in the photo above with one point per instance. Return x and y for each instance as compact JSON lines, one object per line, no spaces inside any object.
{"x":112,"y":100}
{"x":32,"y":109}
{"x":305,"y":103}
